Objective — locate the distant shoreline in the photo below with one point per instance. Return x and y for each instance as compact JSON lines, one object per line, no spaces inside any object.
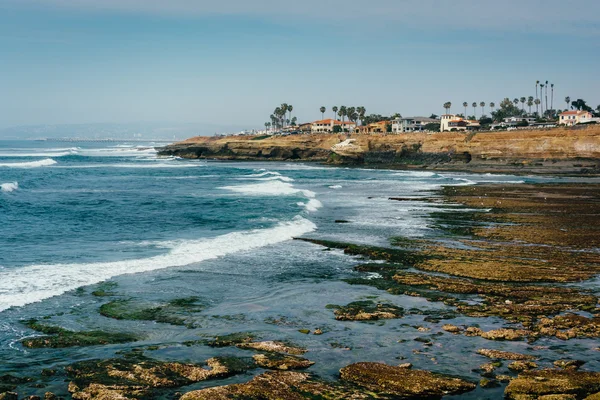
{"x":561,"y":151}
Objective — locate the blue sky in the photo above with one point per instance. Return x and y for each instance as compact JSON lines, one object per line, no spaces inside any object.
{"x":231,"y":62}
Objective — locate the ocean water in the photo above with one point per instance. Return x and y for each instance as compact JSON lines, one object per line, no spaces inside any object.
{"x":74,"y":215}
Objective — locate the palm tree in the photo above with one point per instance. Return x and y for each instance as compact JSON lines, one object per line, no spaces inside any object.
{"x":530,"y":103}
{"x":516,"y":101}
{"x":447,"y":106}
{"x":335,"y":110}
{"x":465,"y":105}
{"x":350,"y":111}
{"x":290,"y":108}
{"x":283,"y":110}
{"x":552,"y":97}
{"x":361,"y":113}
{"x":342,"y":113}
{"x":266,"y":127}
{"x":474,"y":110}
{"x":546,"y":96}
{"x":492,"y":106}
{"x":568,"y":101}
{"x":536,"y":95}
{"x":523,"y":100}
{"x":323,"y":109}
{"x":537,"y":103}
{"x":541,"y":97}
{"x":482,"y":104}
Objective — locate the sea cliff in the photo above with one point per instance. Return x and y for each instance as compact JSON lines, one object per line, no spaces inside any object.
{"x":561,"y":150}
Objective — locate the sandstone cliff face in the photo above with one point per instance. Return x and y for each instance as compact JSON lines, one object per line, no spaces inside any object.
{"x":575,"y":150}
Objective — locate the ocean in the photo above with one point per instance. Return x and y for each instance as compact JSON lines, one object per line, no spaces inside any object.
{"x":76,"y":215}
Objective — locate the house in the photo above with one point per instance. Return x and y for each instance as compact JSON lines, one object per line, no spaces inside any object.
{"x":452,"y":122}
{"x":375,"y":127}
{"x":510,"y":121}
{"x":413,"y":124}
{"x":575,"y":117}
{"x":305,"y":128}
{"x":326,"y":126}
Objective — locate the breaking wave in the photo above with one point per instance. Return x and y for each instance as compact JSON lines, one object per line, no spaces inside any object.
{"x":35,"y":283}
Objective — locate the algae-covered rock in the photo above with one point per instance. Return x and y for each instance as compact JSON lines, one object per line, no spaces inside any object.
{"x":473,"y":331}
{"x":568,"y":364}
{"x":59,"y":337}
{"x":231,"y":339}
{"x":281,"y":361}
{"x":403,"y":382}
{"x":452,"y":328}
{"x":535,"y":384}
{"x":283,"y":385}
{"x":520,"y":366}
{"x":488,"y":383}
{"x":138,"y":377}
{"x":173,"y":312}
{"x":367,"y":311}
{"x":504,"y":355}
{"x":273,"y":347}
{"x":505,"y":334}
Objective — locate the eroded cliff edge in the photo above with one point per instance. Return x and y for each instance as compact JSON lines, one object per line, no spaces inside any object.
{"x":566,"y":150}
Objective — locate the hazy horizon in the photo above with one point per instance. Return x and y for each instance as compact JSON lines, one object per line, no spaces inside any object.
{"x":230,"y":64}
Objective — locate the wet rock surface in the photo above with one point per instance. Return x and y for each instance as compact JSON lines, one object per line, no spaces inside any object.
{"x":535,"y":384}
{"x":366,"y":311}
{"x":403,"y":382}
{"x":57,"y":337}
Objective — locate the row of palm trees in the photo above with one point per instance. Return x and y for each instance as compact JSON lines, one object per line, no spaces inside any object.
{"x":448,"y":105}
{"x":282,"y":115}
{"x":354,"y":114}
{"x":280,"y":118}
{"x":542,"y":85}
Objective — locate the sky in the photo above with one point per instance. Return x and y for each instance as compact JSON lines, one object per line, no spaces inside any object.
{"x":231,"y":62}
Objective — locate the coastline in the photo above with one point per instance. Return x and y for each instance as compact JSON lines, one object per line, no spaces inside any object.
{"x":561,"y":151}
{"x":522,"y":259}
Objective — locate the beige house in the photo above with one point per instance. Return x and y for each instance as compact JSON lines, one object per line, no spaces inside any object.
{"x":453,"y":122}
{"x":326,"y":126}
{"x":450,"y":122}
{"x":375,"y":127}
{"x":574,"y":117}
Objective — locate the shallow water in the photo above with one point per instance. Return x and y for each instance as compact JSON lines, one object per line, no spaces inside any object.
{"x":74,"y":216}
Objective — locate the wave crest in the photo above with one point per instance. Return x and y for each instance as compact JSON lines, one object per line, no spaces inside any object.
{"x":9,"y":187}
{"x":30,"y":164}
{"x":35,"y":283}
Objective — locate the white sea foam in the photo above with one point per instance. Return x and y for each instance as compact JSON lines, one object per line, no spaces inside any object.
{"x":34,"y":283}
{"x":137,"y":165}
{"x":424,"y":174}
{"x":30,"y":164}
{"x":40,"y":154}
{"x":269,"y":188}
{"x":335,"y":187}
{"x":9,"y":187}
{"x":266,"y":173}
{"x":312,"y":205}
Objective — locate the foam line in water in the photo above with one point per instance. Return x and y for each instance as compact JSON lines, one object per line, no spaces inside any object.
{"x":312,"y":205}
{"x":269,"y":188}
{"x":9,"y":187}
{"x":34,"y":283}
{"x":30,"y":164}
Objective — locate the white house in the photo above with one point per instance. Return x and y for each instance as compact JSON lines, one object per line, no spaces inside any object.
{"x":451,"y":122}
{"x":413,"y":124}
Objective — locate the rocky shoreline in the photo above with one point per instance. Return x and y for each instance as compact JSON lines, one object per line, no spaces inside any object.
{"x":516,"y":264}
{"x":560,"y":151}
